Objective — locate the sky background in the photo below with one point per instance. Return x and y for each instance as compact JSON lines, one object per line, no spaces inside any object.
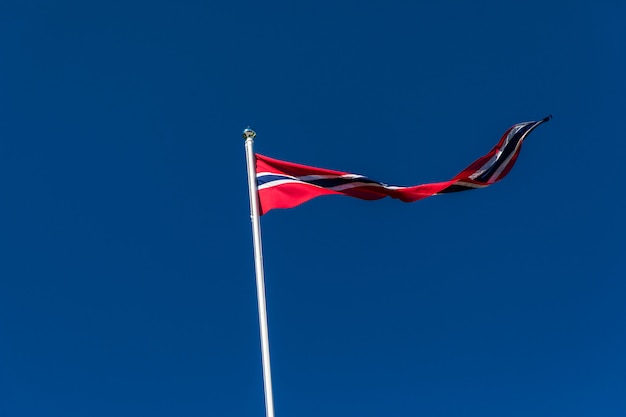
{"x":126,"y":266}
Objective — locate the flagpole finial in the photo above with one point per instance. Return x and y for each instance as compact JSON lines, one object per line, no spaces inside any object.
{"x":248,"y":133}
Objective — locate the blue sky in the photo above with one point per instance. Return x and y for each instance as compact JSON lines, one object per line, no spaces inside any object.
{"x":126,"y":267}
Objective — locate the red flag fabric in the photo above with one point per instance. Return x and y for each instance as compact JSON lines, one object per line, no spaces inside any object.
{"x":284,"y":184}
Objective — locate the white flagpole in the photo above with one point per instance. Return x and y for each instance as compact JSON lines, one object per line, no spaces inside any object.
{"x":248,"y":135}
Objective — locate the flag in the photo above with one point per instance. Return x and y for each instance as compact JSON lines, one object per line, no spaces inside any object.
{"x":284,"y":184}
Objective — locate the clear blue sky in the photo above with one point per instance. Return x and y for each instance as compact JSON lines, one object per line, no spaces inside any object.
{"x":126,"y":267}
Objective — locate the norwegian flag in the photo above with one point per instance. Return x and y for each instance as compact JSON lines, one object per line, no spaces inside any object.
{"x":285,"y":184}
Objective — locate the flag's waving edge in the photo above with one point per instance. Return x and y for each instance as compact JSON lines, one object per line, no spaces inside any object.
{"x":285,"y":184}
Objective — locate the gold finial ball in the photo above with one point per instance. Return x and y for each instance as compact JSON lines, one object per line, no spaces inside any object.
{"x":248,"y":133}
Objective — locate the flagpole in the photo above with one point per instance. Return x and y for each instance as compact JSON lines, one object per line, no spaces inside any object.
{"x":248,"y":135}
